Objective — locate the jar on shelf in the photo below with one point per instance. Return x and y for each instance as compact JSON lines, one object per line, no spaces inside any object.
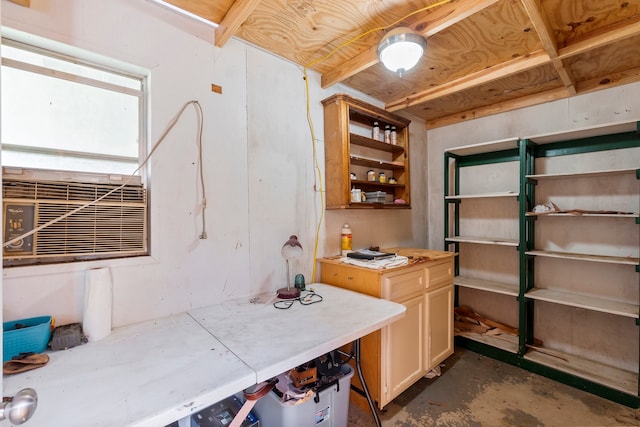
{"x":356,"y":195}
{"x":387,"y":134}
{"x":394,"y":136}
{"x":382,"y":178}
{"x":392,"y":180}
{"x":375,"y":133}
{"x":371,"y":175}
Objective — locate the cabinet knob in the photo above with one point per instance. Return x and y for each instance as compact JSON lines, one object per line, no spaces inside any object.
{"x":349,"y":277}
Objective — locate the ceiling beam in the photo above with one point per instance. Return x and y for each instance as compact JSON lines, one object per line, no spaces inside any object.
{"x":605,"y":37}
{"x":486,"y":75}
{"x":588,"y":86}
{"x":25,"y":3}
{"x":430,"y":24}
{"x":541,"y":25}
{"x":505,"y":69}
{"x":513,"y":104}
{"x":604,"y":82}
{"x":237,"y":14}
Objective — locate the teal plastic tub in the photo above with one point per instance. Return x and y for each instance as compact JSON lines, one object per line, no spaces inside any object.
{"x":25,"y":335}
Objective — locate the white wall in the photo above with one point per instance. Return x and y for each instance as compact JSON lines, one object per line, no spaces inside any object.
{"x":258,"y":167}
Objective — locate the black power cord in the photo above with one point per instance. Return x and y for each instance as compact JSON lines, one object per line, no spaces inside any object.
{"x":306,"y":298}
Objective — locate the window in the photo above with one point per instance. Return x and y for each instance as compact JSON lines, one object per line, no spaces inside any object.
{"x":72,"y":134}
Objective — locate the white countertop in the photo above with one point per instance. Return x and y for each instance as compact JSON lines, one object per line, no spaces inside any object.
{"x":155,"y":372}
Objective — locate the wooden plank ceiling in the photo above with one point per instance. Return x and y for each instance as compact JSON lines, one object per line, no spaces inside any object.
{"x":483,"y":56}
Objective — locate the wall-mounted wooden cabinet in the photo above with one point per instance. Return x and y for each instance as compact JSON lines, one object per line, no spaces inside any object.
{"x":351,"y":149}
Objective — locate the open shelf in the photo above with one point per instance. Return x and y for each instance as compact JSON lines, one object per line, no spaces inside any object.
{"x":612,"y":377}
{"x":486,"y":285}
{"x":617,"y":308}
{"x":586,"y":257}
{"x":467,"y":150}
{"x":595,"y":131}
{"x":373,"y":163}
{"x":483,"y":240}
{"x":350,"y":149}
{"x":482,"y":196}
{"x":376,"y":184}
{"x":363,"y":141}
{"x":574,"y":214}
{"x":378,"y":205}
{"x":504,"y":342}
{"x":595,"y":174}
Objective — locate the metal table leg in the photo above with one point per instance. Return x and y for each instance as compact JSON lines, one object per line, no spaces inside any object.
{"x":374,"y":411}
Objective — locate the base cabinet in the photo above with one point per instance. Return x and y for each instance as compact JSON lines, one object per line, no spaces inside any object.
{"x":438,"y":325}
{"x":403,"y":348}
{"x":398,"y":355}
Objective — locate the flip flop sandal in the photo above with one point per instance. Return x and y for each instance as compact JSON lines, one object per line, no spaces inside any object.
{"x":24,"y":363}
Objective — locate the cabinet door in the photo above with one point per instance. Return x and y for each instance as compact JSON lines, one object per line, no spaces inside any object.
{"x":403,"y":350}
{"x":439,"y":325}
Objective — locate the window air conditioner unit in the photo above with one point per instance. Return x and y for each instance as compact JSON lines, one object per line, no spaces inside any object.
{"x":114,"y":226}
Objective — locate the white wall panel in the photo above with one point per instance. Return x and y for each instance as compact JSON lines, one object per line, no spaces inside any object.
{"x":258,"y":165}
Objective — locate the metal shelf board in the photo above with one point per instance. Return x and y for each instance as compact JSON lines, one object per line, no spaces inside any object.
{"x":610,"y":376}
{"x":483,"y":240}
{"x":577,"y":214}
{"x":611,"y":383}
{"x":586,"y":257}
{"x":486,"y":285}
{"x":600,"y":130}
{"x":483,"y":196}
{"x":507,"y":343}
{"x":617,"y":308}
{"x":485,"y":147}
{"x":594,"y":174}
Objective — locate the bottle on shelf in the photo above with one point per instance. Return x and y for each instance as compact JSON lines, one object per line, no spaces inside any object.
{"x":394,"y":136}
{"x":346,"y":239}
{"x":375,"y":134}
{"x":387,"y":134}
{"x":382,"y":178}
{"x":356,"y":195}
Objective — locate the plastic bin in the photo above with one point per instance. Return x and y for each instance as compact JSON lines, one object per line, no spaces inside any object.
{"x":219,"y":414}
{"x":330,"y":410}
{"x":376,"y":196}
{"x":25,"y":335}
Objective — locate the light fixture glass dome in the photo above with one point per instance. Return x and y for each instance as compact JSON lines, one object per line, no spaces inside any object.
{"x":401,"y":49}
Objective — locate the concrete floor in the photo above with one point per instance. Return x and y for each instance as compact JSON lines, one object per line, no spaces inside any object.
{"x":475,"y":390}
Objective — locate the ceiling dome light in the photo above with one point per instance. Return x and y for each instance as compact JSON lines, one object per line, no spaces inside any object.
{"x":400,"y":49}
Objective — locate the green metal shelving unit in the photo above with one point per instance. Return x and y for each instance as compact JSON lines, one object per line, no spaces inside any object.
{"x":526,"y":151}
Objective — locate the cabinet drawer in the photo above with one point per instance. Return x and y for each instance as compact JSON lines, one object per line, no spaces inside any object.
{"x":400,"y":287}
{"x":352,"y":278}
{"x":439,"y":275}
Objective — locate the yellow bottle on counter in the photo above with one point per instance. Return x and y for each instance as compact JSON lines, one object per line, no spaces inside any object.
{"x":346,"y":239}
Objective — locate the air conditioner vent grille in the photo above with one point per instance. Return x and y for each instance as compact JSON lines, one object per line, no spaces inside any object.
{"x":71,"y":191}
{"x":116,"y":225}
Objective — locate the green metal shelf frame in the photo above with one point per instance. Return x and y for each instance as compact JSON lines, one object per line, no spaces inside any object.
{"x":526,"y":153}
{"x":479,"y":159}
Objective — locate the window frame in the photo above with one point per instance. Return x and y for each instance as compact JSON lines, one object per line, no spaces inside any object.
{"x":75,"y":55}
